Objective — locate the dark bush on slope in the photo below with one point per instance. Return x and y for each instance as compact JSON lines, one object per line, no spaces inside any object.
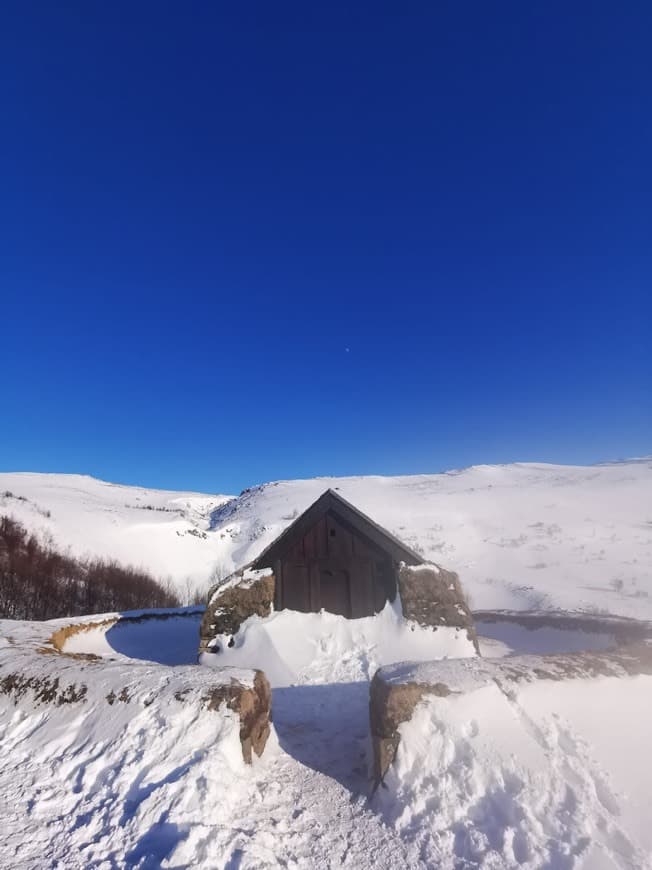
{"x":39,"y":582}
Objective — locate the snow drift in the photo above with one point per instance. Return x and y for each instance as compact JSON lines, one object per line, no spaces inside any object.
{"x":550,"y":774}
{"x":296,"y":648}
{"x":103,"y":764}
{"x":540,"y":773}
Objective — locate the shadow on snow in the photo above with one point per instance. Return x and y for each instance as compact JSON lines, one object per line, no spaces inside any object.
{"x":167,"y":641}
{"x":326,"y":728}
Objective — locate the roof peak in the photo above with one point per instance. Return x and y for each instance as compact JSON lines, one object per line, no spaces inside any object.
{"x":354,"y":516}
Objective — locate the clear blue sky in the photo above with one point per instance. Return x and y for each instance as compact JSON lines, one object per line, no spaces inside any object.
{"x":250,"y":241}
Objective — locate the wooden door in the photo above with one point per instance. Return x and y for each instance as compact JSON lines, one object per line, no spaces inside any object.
{"x":296,"y":587}
{"x":362,"y":588}
{"x":335,"y":590}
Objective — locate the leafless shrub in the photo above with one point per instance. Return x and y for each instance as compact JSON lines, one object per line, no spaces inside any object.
{"x":194,"y":593}
{"x":218,"y":575}
{"x":37,"y":581}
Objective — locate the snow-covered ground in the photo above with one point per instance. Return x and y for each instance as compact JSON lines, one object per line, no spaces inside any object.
{"x":293,"y":648}
{"x":551,"y":774}
{"x":544,"y":773}
{"x":540,"y":774}
{"x":307,"y":648}
{"x":501,"y":638}
{"x":109,"y":764}
{"x":523,"y":536}
{"x":161,"y":785}
{"x":170,"y":640}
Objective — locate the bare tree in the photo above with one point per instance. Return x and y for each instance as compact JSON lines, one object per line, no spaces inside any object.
{"x":218,"y":575}
{"x":194,"y":593}
{"x":39,"y":582}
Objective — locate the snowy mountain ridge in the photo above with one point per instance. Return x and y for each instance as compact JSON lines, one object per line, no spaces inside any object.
{"x":522,"y":536}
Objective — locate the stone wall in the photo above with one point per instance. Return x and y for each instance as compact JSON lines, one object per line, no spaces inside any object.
{"x":432,"y":596}
{"x":34,"y":673}
{"x":389,"y":705}
{"x":253,"y":706}
{"x":396,"y":690}
{"x":244,"y":594}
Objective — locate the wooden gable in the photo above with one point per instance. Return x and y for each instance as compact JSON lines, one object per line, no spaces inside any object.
{"x":336,"y":558}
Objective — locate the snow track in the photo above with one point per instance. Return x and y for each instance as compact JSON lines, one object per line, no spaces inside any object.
{"x":535,"y":776}
{"x":307,"y":807}
{"x":541,"y":773}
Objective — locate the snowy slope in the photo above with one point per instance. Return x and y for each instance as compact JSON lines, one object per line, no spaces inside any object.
{"x":522,"y":536}
{"x":535,"y":775}
{"x":164,"y":532}
{"x":121,"y":766}
{"x":160,"y":783}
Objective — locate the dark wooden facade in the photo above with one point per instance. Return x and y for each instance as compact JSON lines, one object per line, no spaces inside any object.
{"x":336,"y":558}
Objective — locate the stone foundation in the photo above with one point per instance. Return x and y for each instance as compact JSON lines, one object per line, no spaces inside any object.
{"x":432,"y":596}
{"x":244,"y":594}
{"x":389,"y":705}
{"x":253,"y":706}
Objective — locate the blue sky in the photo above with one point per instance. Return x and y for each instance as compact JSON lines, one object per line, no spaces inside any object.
{"x":243,"y":242}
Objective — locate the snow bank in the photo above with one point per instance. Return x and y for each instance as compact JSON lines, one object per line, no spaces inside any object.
{"x":323,"y":647}
{"x":545,"y":774}
{"x":499,"y":638}
{"x":103,"y":764}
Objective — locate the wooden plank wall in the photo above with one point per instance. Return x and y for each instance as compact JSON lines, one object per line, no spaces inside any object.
{"x":326,"y":550}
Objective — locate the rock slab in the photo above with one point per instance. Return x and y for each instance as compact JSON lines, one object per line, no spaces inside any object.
{"x":433,"y":596}
{"x":253,"y":706}
{"x":232,"y":603}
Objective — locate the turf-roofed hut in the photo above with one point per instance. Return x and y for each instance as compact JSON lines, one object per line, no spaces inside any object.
{"x":335,"y":558}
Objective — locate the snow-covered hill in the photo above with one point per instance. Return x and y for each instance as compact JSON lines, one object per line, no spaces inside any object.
{"x":523,"y":536}
{"x":162,"y":531}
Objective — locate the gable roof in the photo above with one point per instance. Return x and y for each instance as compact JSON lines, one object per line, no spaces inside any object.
{"x":333,"y":501}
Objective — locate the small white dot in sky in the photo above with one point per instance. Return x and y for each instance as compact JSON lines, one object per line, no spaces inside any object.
{"x":346,"y":349}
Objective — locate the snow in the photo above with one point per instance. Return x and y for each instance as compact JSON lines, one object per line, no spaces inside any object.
{"x":104,"y":782}
{"x":541,"y":775}
{"x":547,"y":774}
{"x":297,"y":648}
{"x":502,"y":773}
{"x":159,"y":783}
{"x":109,"y":786}
{"x":164,"y":532}
{"x":244,"y":579}
{"x":426,"y":566}
{"x":523,"y":536}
